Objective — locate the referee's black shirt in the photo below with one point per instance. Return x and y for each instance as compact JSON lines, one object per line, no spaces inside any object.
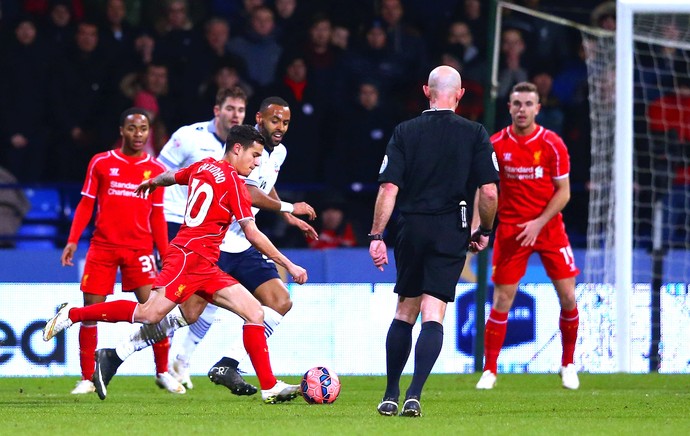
{"x":437,"y":160}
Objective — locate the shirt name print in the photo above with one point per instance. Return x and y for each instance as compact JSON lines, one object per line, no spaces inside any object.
{"x":215,"y":171}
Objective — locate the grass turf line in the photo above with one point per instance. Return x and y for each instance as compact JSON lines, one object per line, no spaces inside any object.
{"x":520,"y":404}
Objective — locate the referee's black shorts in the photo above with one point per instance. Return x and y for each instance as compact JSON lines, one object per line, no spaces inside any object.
{"x":430,"y":253}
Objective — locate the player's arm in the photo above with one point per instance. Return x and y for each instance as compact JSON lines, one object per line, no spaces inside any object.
{"x":82,"y":216}
{"x":385,"y":202}
{"x":265,"y":246}
{"x":148,"y":186}
{"x":159,"y":230}
{"x":486,"y":203}
{"x":560,"y":198}
{"x":271,"y":201}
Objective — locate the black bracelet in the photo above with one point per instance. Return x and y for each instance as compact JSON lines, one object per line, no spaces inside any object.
{"x":375,"y":236}
{"x":484,"y":232}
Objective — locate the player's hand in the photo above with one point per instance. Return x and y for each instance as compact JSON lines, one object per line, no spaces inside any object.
{"x":302,"y":208}
{"x":306,"y":229}
{"x":68,"y":254}
{"x":378,"y":253}
{"x":146,"y":187}
{"x":299,"y":274}
{"x":477,"y":242}
{"x":530,"y":232}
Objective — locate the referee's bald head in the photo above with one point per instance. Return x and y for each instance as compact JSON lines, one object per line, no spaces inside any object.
{"x":444,"y":79}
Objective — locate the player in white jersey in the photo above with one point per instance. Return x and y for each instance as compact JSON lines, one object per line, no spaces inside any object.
{"x":239,"y":259}
{"x":195,"y":142}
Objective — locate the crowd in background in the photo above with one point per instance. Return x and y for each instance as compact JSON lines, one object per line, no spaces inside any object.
{"x":350,"y":70}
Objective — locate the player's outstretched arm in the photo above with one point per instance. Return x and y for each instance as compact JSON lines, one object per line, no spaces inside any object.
{"x":271,"y":201}
{"x":148,"y":186}
{"x":265,"y":246}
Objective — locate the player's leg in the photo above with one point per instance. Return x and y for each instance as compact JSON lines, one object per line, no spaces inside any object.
{"x":98,"y":281}
{"x":509,"y":265}
{"x":237,"y":299}
{"x":260,"y":276}
{"x":495,"y":332}
{"x":559,"y":263}
{"x":161,"y":349}
{"x":568,"y":323}
{"x":195,"y":334}
{"x":88,"y":342}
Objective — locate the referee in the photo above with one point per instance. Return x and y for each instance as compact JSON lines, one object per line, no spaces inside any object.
{"x":434,"y":166}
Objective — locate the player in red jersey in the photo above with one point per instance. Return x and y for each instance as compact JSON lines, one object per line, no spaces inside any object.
{"x":216,"y":195}
{"x":534,"y":171}
{"x":112,"y":178}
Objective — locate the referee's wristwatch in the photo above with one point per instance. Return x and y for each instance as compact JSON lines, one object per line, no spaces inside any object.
{"x":484,"y":232}
{"x":375,"y":236}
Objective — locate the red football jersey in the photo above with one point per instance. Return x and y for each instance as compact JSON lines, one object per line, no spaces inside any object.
{"x":122,"y":217}
{"x":216,"y":194}
{"x":527,"y":167}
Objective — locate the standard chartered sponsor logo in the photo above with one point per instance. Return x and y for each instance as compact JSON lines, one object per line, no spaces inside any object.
{"x":122,"y":189}
{"x":523,"y":173}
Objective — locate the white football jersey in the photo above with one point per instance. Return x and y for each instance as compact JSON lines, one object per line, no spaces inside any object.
{"x":187,"y":145}
{"x":263,"y":177}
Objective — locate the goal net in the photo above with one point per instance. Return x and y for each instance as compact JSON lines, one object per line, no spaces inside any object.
{"x":633,"y":292}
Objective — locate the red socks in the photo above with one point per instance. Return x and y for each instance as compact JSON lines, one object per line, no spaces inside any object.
{"x":255,"y":344}
{"x":494,"y":335}
{"x":160,"y":355}
{"x":111,"y":311}
{"x":568,"y":323}
{"x":88,"y":341}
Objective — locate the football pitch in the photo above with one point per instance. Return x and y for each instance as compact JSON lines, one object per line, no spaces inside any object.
{"x":606,"y":404}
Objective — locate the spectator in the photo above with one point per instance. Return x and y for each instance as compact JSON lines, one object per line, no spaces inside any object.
{"x":306,"y":125}
{"x":461,"y":43}
{"x":178,"y":45}
{"x":323,"y":58}
{"x":512,"y":69}
{"x":669,"y":122}
{"x":259,"y":48}
{"x":340,"y":37}
{"x":225,"y":76}
{"x":84,"y":88}
{"x":364,"y":127}
{"x":333,"y":227}
{"x":604,"y":16}
{"x":404,"y":40}
{"x":25,"y":119}
{"x":290,"y":23}
{"x":59,"y":27}
{"x":550,"y":115}
{"x":473,"y":13}
{"x":375,"y":60}
{"x":154,"y":97}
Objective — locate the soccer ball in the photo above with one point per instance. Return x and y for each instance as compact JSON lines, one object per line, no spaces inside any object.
{"x":320,"y":385}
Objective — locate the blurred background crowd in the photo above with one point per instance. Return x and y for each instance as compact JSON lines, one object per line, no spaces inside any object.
{"x":350,"y":70}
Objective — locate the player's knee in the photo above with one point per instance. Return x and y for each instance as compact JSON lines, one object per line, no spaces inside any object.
{"x":282,"y":305}
{"x":255,"y":315}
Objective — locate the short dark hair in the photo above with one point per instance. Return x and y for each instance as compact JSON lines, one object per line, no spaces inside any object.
{"x":133,"y":111}
{"x":272,"y":100}
{"x":244,"y":134}
{"x":234,"y":92}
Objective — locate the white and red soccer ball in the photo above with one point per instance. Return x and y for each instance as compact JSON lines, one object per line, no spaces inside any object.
{"x":320,"y":385}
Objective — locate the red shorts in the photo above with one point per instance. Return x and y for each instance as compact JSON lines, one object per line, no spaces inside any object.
{"x":137,"y":266}
{"x":510,"y":259}
{"x":186,"y":272}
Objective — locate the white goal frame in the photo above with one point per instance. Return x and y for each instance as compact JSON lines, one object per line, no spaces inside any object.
{"x":623,"y":158}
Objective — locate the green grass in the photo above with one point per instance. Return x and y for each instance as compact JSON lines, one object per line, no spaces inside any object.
{"x":520,"y":404}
